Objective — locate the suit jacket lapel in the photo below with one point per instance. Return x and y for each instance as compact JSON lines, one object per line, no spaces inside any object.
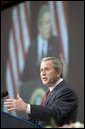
{"x":53,"y":93}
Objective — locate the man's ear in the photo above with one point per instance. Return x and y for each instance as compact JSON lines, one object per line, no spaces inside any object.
{"x":58,"y":73}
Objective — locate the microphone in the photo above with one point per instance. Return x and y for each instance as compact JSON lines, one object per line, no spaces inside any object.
{"x":4,"y":94}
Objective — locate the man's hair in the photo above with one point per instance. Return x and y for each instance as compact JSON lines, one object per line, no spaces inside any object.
{"x":57,"y":63}
{"x":44,"y":9}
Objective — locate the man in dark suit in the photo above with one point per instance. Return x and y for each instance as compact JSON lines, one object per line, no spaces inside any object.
{"x":61,"y":102}
{"x":45,"y":44}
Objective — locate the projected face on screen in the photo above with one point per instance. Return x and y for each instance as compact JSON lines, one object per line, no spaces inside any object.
{"x":44,"y":22}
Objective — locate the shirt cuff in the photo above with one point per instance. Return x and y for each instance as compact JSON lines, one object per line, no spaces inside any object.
{"x":28,"y":109}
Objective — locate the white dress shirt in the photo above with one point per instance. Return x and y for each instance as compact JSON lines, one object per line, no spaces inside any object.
{"x":53,"y":86}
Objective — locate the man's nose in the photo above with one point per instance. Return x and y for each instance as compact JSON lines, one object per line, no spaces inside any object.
{"x":43,"y":72}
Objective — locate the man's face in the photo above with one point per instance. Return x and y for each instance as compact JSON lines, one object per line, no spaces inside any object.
{"x":45,"y":26}
{"x":47,"y":73}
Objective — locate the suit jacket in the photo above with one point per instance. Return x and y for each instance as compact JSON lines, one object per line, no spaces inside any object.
{"x":31,"y":69}
{"x":61,"y":104}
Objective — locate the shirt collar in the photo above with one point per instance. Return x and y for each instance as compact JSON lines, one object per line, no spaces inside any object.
{"x":53,"y":86}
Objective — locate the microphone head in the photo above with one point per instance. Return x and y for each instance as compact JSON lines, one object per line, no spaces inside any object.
{"x":4,"y":94}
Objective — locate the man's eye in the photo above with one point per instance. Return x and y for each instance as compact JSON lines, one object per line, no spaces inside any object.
{"x":47,"y":69}
{"x":41,"y":70}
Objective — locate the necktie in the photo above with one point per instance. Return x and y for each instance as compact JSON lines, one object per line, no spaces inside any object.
{"x":45,"y":97}
{"x":43,"y":53}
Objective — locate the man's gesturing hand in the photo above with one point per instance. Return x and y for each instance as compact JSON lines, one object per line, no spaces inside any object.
{"x":15,"y":104}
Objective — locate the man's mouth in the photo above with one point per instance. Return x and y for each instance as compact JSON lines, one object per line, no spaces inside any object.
{"x":44,"y":78}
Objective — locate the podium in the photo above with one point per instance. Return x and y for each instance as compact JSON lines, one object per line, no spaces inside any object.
{"x":9,"y":121}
